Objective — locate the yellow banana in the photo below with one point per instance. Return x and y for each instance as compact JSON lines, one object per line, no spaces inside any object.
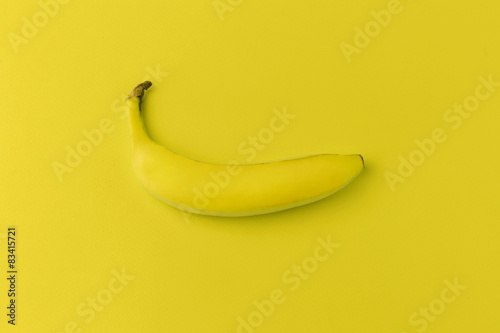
{"x":232,"y":189}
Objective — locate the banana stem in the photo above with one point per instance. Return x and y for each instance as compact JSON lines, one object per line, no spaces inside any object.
{"x":138,"y":91}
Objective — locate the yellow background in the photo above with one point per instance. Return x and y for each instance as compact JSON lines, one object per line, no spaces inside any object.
{"x":225,"y":78}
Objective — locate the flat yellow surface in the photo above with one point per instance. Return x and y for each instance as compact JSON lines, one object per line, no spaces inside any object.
{"x":411,"y":245}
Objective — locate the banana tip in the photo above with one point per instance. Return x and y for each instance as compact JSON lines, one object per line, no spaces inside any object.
{"x":362,"y":160}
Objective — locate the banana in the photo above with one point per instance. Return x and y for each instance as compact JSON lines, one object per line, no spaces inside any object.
{"x":232,"y":189}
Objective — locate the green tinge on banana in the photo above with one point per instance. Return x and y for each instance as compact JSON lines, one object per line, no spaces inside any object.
{"x":244,"y":189}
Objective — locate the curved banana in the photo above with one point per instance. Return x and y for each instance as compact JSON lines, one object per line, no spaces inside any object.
{"x":233,"y":189}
